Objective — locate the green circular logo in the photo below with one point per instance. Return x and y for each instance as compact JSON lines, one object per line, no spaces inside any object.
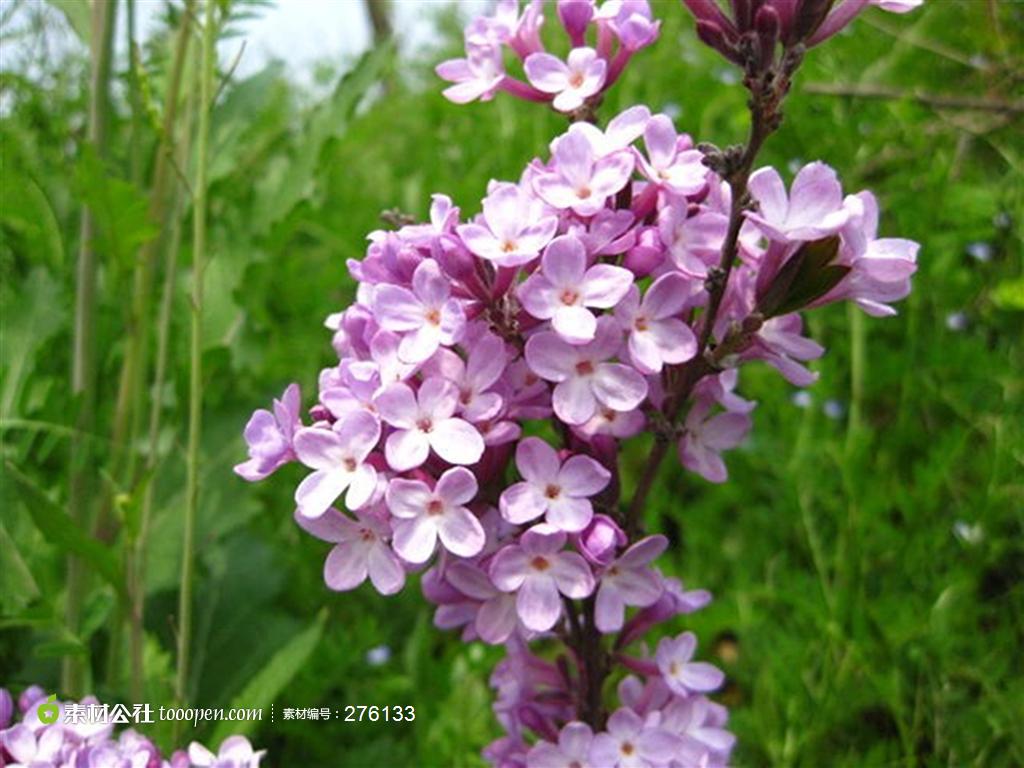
{"x":50,"y":711}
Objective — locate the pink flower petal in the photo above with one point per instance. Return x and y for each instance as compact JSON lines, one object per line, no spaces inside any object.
{"x":576,"y":324}
{"x":386,"y":573}
{"x":346,"y":565}
{"x":521,"y":503}
{"x":582,"y":476}
{"x":619,"y":387}
{"x":406,"y":449}
{"x":461,"y":532}
{"x":456,"y":486}
{"x":415,"y":539}
{"x":457,"y":441}
{"x":538,"y":603}
{"x":407,"y":498}
{"x":570,"y":514}
{"x":318,"y":491}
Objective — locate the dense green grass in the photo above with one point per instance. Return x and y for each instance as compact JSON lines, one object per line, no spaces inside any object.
{"x":867,"y":554}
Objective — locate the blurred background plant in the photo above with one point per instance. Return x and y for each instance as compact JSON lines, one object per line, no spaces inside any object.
{"x":867,"y":557}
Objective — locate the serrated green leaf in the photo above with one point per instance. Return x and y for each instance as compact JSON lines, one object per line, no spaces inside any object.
{"x":120,"y":209}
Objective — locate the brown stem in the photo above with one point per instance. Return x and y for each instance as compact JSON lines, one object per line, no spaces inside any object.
{"x":767,"y":94}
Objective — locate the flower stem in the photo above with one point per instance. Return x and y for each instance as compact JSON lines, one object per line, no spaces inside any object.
{"x":767,"y":94}
{"x":83,"y":371}
{"x":195,"y":354}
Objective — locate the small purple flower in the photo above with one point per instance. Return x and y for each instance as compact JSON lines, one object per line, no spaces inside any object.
{"x":129,"y":751}
{"x":583,"y":378}
{"x":538,"y":571}
{"x":477,"y":76}
{"x":881,"y":268}
{"x":495,"y":619}
{"x":561,"y":491}
{"x":427,"y":315}
{"x":32,"y":748}
{"x":813,"y":209}
{"x":656,"y":334}
{"x":234,"y":752}
{"x":705,"y":438}
{"x":338,"y":457}
{"x":517,"y":227}
{"x":425,"y":515}
{"x":423,"y":421}
{"x":600,"y":540}
{"x":630,"y":21}
{"x":780,"y":343}
{"x":693,"y":242}
{"x":682,"y":675}
{"x":628,"y":581}
{"x":564,"y":287}
{"x":572,"y":81}
{"x":361,"y":550}
{"x":633,"y":742}
{"x":572,"y":750}
{"x":693,"y":719}
{"x":680,"y":172}
{"x":582,"y":180}
{"x":269,"y":436}
{"x":475,"y":377}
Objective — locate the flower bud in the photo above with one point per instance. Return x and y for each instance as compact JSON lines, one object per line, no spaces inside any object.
{"x":575,"y":15}
{"x":767,"y":24}
{"x":30,"y":696}
{"x":599,"y":541}
{"x":713,"y":35}
{"x":646,"y":254}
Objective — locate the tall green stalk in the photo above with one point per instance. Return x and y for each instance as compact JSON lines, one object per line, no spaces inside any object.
{"x":138,"y":547}
{"x":130,"y":395}
{"x":83,"y":370}
{"x":195,"y":404}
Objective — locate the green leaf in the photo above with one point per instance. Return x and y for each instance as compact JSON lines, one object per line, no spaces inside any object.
{"x":264,"y":688}
{"x":278,"y":193}
{"x":61,"y":531}
{"x":806,"y":276}
{"x":28,"y":215}
{"x":20,"y":587}
{"x":28,"y":320}
{"x":120,"y":209}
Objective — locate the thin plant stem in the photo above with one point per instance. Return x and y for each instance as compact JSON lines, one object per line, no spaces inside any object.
{"x":760,"y":128}
{"x":195,"y":405}
{"x":156,"y":405}
{"x":83,"y":371}
{"x":133,"y":369}
{"x":858,"y":362}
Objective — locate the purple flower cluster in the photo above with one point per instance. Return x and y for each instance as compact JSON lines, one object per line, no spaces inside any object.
{"x":31,"y":743}
{"x":572,"y":303}
{"x":492,"y":368}
{"x":616,"y":30}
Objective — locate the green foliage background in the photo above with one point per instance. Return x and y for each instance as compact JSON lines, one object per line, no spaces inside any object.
{"x":867,"y":554}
